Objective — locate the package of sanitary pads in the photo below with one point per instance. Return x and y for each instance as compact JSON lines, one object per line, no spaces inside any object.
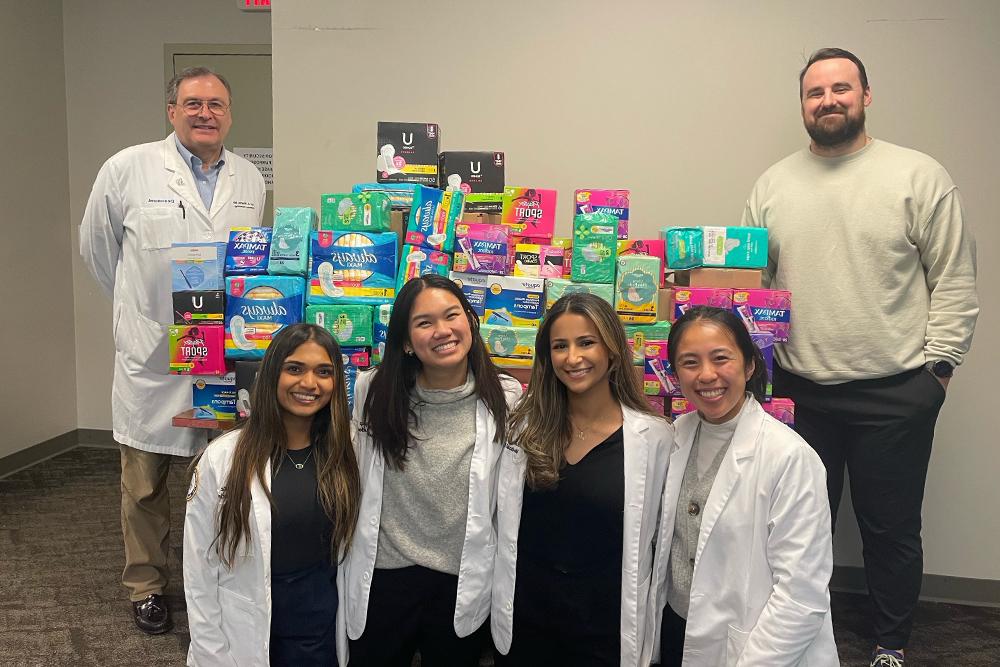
{"x":257,"y":308}
{"x":731,"y":247}
{"x":416,"y":261}
{"x":246,"y":373}
{"x":400,"y":194}
{"x":557,"y":287}
{"x":477,"y":174}
{"x":504,"y":341}
{"x":350,"y":324}
{"x":407,"y":152}
{"x":636,"y":285}
{"x":355,"y":212}
{"x":197,"y":267}
{"x":433,"y":218}
{"x":352,"y":267}
{"x":290,"y":241}
{"x":594,"y":246}
{"x":199,"y":307}
{"x":248,"y":251}
{"x":651,"y":247}
{"x":614,"y":202}
{"x":196,"y":349}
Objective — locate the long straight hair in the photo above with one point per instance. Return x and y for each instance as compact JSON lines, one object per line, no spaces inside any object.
{"x":388,"y":414}
{"x":262,"y":444}
{"x":540,"y":423}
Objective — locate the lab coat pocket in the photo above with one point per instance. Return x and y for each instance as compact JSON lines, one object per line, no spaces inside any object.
{"x":160,"y":226}
{"x":735,"y":643}
{"x":239,"y":625}
{"x":141,"y":339}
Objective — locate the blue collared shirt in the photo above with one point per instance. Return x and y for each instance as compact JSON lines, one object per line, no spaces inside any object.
{"x":204,"y":180}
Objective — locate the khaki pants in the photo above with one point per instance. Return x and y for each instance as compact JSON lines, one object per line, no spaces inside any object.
{"x":145,"y":521}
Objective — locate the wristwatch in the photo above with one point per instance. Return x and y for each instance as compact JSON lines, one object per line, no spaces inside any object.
{"x":940,"y":368}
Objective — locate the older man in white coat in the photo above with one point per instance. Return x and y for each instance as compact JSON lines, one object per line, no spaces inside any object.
{"x":185,"y":188}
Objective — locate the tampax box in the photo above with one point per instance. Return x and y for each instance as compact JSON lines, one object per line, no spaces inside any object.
{"x":732,"y":247}
{"x":248,"y":251}
{"x":764,"y":340}
{"x":658,"y":377}
{"x":417,"y":261}
{"x":350,"y":324}
{"x":400,"y":194}
{"x":356,"y":212}
{"x":214,"y":397}
{"x":504,"y":341}
{"x":257,"y":308}
{"x":514,"y":301}
{"x":685,"y":298}
{"x":636,"y":288}
{"x":407,"y":152}
{"x":196,"y":349}
{"x":380,"y":331}
{"x":432,"y":219}
{"x":290,"y":240}
{"x":477,"y":174}
{"x":637,"y":335}
{"x":199,"y":307}
{"x":197,"y":267}
{"x":473,"y":286}
{"x":651,"y":247}
{"x":614,"y":202}
{"x":246,"y":373}
{"x":782,"y":409}
{"x":529,"y":211}
{"x":594,"y":247}
{"x":765,"y":310}
{"x":352,"y":267}
{"x":481,"y":248}
{"x":556,"y":288}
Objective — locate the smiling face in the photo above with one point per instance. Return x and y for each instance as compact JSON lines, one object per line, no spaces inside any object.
{"x":580,"y":358}
{"x":439,"y":334}
{"x":307,"y":381}
{"x":204,"y":132}
{"x":712,"y":371}
{"x":833,"y":103}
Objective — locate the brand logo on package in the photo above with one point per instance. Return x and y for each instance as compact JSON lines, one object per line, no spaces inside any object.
{"x":407,"y":141}
{"x":197,"y":301}
{"x":498,"y":159}
{"x":475,"y":167}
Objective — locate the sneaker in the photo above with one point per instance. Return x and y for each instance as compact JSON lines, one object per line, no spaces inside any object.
{"x":886,"y":657}
{"x":152,"y":615}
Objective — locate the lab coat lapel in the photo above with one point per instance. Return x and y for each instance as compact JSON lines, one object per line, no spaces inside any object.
{"x":262,"y":515}
{"x":181,"y":179}
{"x":636,"y":446}
{"x":224,"y":185}
{"x":679,"y":453}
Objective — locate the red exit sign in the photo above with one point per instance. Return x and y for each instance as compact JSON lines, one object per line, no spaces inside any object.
{"x":255,"y":5}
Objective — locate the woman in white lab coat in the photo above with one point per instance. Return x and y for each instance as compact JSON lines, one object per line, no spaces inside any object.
{"x":577,"y":501}
{"x":744,"y":554}
{"x":270,"y":510}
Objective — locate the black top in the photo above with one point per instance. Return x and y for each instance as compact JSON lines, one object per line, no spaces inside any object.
{"x":577,"y":526}
{"x":300,"y":529}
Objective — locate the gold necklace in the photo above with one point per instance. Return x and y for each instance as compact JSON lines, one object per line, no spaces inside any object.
{"x":299,"y":466}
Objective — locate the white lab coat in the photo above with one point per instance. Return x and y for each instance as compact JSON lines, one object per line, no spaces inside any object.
{"x":647,"y":443}
{"x":229,"y":611}
{"x":759,"y":593}
{"x":472,"y":603}
{"x":133,"y":215}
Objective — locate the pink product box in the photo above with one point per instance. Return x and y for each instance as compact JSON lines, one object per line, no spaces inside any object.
{"x":765,"y":310}
{"x":782,"y":409}
{"x":529,"y":211}
{"x":685,"y":298}
{"x":680,"y":406}
{"x":615,"y":202}
{"x":482,"y":248}
{"x":538,"y":261}
{"x":658,"y":378}
{"x":197,"y":349}
{"x":651,"y":247}
{"x":658,"y":403}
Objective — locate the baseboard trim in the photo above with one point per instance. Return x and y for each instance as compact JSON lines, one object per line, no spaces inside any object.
{"x":35,"y":454}
{"x":95,"y":437}
{"x":934,"y":587}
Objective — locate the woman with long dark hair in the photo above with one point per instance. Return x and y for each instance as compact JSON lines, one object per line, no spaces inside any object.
{"x":271,"y":508}
{"x":430,"y":422}
{"x":578,"y":495}
{"x":744,"y":554}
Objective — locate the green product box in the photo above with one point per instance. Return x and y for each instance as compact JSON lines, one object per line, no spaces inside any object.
{"x":595,"y":246}
{"x":350,"y":324}
{"x":355,"y":212}
{"x":556,"y":288}
{"x":638,"y":334}
{"x":504,"y":341}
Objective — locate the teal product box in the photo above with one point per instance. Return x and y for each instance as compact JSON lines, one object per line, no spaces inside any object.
{"x":400,"y":194}
{"x":248,"y":251}
{"x":214,"y":397}
{"x":514,"y":301}
{"x":636,"y":287}
{"x":416,"y":261}
{"x":638,"y":334}
{"x":350,"y":324}
{"x":352,"y":267}
{"x":355,"y":212}
{"x":290,"y":241}
{"x":504,"y":341}
{"x":728,"y":247}
{"x":257,"y":308}
{"x":595,"y":243}
{"x":433,"y":218}
{"x":473,"y":286}
{"x":556,"y":288}
{"x":380,"y":331}
{"x":197,"y":267}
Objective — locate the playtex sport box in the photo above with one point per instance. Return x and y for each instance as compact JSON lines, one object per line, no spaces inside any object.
{"x":355,"y":212}
{"x":352,"y":267}
{"x":257,"y":308}
{"x":613,"y":202}
{"x":658,"y":377}
{"x":196,"y":349}
{"x":477,"y":174}
{"x":350,"y":324}
{"x":214,"y":397}
{"x":765,"y":310}
{"x":529,"y":211}
{"x":248,"y":251}
{"x":407,"y":152}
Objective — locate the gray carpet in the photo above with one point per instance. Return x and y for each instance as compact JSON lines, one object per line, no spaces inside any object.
{"x":61,"y":601}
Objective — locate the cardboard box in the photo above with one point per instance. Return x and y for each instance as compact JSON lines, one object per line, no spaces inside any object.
{"x":407,"y":152}
{"x":715,"y":277}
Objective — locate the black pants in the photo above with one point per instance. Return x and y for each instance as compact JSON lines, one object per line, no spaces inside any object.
{"x":882,"y":431}
{"x":672,"y":629}
{"x":413,"y":609}
{"x":303,"y":617}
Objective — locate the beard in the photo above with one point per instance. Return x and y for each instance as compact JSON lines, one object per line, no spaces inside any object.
{"x":838,"y":135}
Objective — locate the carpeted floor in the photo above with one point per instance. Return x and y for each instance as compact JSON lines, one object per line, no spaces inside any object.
{"x":61,"y":602}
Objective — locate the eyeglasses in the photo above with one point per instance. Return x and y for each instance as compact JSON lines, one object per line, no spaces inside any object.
{"x":193,"y":107}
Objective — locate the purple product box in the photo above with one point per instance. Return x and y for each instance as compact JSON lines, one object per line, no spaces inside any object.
{"x":765,"y":310}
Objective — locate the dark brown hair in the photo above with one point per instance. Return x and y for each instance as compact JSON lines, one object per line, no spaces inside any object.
{"x":830,"y":53}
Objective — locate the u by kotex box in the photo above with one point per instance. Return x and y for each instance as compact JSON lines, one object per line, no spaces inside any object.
{"x":248,"y":251}
{"x":685,"y":298}
{"x":352,"y":267}
{"x":514,"y":301}
{"x":416,"y":261}
{"x":355,"y":212}
{"x":199,"y":307}
{"x":197,"y":267}
{"x":400,"y":194}
{"x":474,"y":287}
{"x":651,"y":247}
{"x":613,"y":202}
{"x":380,"y":331}
{"x":290,"y":240}
{"x":479,"y":175}
{"x":594,"y":246}
{"x":433,"y":218}
{"x":481,"y":248}
{"x":529,"y":211}
{"x":636,"y":283}
{"x":504,"y":341}
{"x":765,"y":310}
{"x":350,"y":324}
{"x":555,"y":288}
{"x":257,"y":308}
{"x":196,"y":349}
{"x":764,"y":340}
{"x":407,"y":152}
{"x":658,"y":377}
{"x":214,"y":397}
{"x":637,"y":335}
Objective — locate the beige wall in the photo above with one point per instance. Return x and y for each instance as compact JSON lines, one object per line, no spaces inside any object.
{"x":115,"y":98}
{"x":38,"y":391}
{"x":685,"y":103}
